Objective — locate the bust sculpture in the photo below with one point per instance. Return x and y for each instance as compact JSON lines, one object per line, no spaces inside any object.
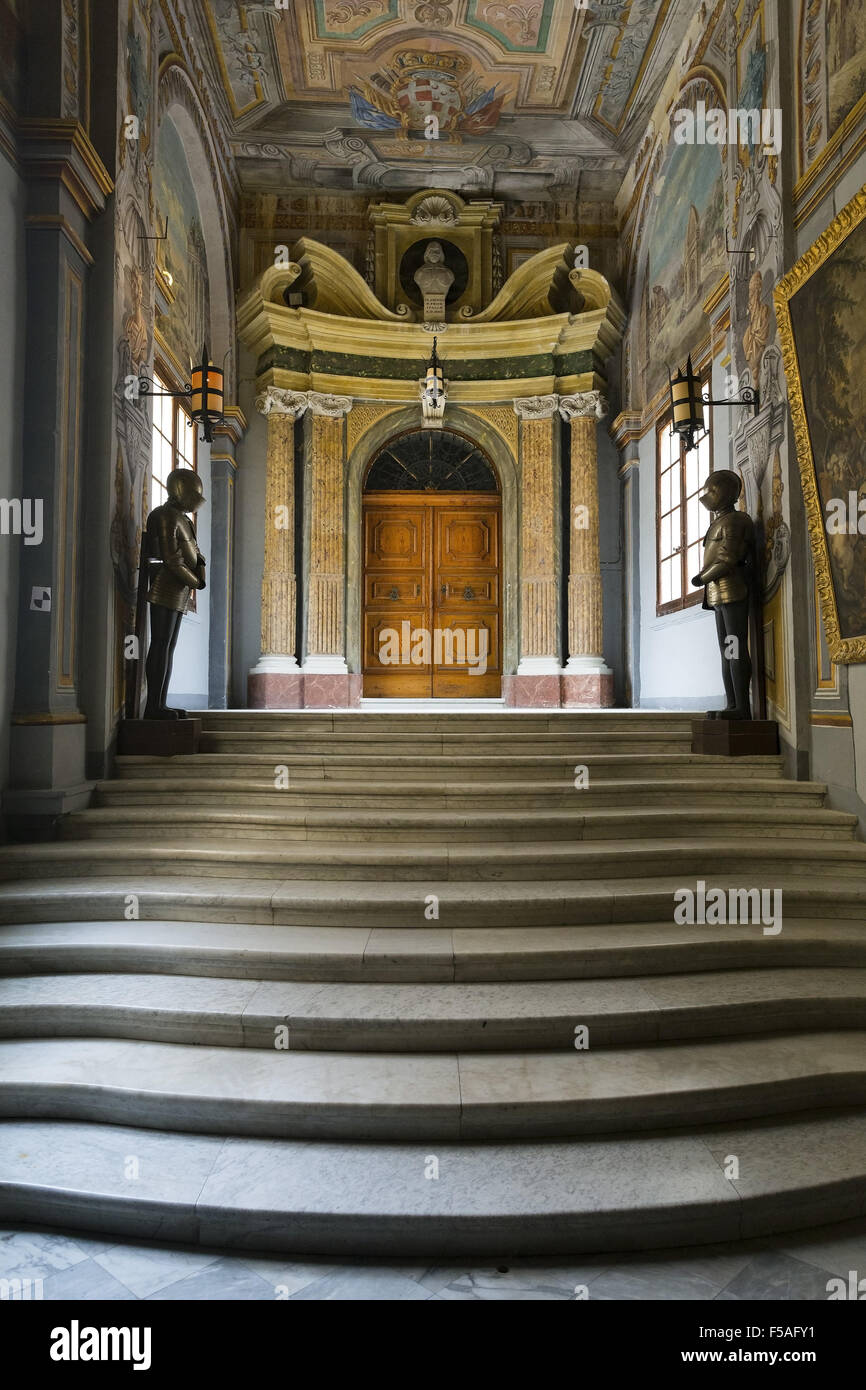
{"x":434,"y":280}
{"x":171,"y":555}
{"x":726,"y":577}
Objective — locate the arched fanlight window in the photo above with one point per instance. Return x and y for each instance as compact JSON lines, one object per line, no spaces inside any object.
{"x":431,"y":461}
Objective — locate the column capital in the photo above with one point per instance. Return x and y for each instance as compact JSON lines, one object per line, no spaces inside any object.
{"x":536,"y":407}
{"x":583,"y":403}
{"x":335,"y":407}
{"x":278,"y":401}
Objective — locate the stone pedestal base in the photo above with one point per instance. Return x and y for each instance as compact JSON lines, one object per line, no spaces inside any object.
{"x":531,"y":692}
{"x":275,"y":690}
{"x":731,"y":738}
{"x":158,"y":738}
{"x":589,"y":690}
{"x":303,"y":690}
{"x":323,"y":690}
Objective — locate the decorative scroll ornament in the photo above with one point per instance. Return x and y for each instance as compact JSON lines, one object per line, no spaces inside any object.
{"x":278,"y":401}
{"x":332,"y":406}
{"x":536,"y":407}
{"x":583,"y":403}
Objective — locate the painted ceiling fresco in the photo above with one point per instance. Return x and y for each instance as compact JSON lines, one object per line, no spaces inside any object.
{"x":338,"y":91}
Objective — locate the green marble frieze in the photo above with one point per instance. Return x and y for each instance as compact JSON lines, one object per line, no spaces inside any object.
{"x":342,"y":364}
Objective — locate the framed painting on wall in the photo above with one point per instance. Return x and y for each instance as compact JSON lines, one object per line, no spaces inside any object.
{"x":822,"y":328}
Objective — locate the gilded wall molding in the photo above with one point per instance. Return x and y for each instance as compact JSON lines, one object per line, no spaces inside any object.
{"x":843,"y":650}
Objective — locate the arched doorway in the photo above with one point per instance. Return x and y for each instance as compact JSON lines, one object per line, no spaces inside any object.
{"x":432,"y":570}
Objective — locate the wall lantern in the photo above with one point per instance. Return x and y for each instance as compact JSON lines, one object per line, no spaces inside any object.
{"x":687,"y":404}
{"x":433,"y":392}
{"x":205,"y":394}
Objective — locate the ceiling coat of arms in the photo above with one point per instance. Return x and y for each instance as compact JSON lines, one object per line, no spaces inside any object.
{"x":420,"y":84}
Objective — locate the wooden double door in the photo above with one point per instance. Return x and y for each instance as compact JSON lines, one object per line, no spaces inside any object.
{"x":432,"y":624}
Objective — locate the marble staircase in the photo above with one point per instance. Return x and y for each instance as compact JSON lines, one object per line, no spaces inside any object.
{"x":324,"y":986}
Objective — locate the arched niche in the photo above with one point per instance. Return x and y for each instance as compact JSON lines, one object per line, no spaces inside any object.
{"x":178,"y":101}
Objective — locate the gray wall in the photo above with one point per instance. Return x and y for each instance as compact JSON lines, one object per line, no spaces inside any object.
{"x":12,"y":328}
{"x":249,"y":536}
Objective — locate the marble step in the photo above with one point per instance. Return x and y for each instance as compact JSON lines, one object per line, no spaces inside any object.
{"x":434,"y":1097}
{"x":406,"y":905}
{"x":751,"y":793}
{"x":169,"y":819}
{"x":488,"y":722}
{"x":338,"y":746}
{"x":395,"y":770}
{"x":431,"y":1018}
{"x":450,"y":739}
{"x":587,"y":1195}
{"x":368,"y":955}
{"x":378,"y":863}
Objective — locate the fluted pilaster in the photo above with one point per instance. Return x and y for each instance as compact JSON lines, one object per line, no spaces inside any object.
{"x":585,"y":609}
{"x":538,"y":587}
{"x":326,"y":629}
{"x":279,"y":581}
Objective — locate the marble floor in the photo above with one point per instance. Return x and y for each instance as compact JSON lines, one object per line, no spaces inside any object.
{"x":80,"y":1267}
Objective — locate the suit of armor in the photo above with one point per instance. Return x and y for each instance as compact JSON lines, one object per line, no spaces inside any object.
{"x":171,"y":540}
{"x":170,"y":549}
{"x":729,"y":547}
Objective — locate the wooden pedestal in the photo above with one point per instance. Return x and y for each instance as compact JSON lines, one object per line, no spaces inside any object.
{"x":734,"y":738}
{"x":158,"y":738}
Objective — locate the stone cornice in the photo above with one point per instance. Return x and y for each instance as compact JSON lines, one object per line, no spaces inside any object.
{"x":627,"y":428}
{"x":233,"y":425}
{"x":62,"y":150}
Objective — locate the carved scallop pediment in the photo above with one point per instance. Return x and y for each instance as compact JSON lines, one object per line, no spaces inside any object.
{"x":435,"y":208}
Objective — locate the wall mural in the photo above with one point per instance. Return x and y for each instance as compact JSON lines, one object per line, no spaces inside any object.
{"x":832,"y":71}
{"x":133,"y":288}
{"x":846,"y":58}
{"x":12,"y":47}
{"x":186,"y":325}
{"x":824,"y":344}
{"x":686,"y":259}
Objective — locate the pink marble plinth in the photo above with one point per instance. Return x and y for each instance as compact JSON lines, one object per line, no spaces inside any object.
{"x":588,"y":692}
{"x":324,"y":691}
{"x":303,"y":690}
{"x":275,"y":690}
{"x":531,"y":692}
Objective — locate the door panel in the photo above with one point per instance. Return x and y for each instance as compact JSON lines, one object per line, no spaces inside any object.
{"x":396,"y":592}
{"x":432,"y":595}
{"x":466,"y":600}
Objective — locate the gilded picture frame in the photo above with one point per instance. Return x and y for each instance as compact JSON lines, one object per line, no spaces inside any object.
{"x":819,"y":309}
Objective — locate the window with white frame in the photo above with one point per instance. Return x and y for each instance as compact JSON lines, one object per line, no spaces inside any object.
{"x":682,"y":521}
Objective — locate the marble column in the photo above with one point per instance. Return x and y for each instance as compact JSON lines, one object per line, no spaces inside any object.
{"x":327,"y":682}
{"x":275,"y":680}
{"x":537,"y":682}
{"x":586,"y":680}
{"x":67,"y":188}
{"x":223,"y":469}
